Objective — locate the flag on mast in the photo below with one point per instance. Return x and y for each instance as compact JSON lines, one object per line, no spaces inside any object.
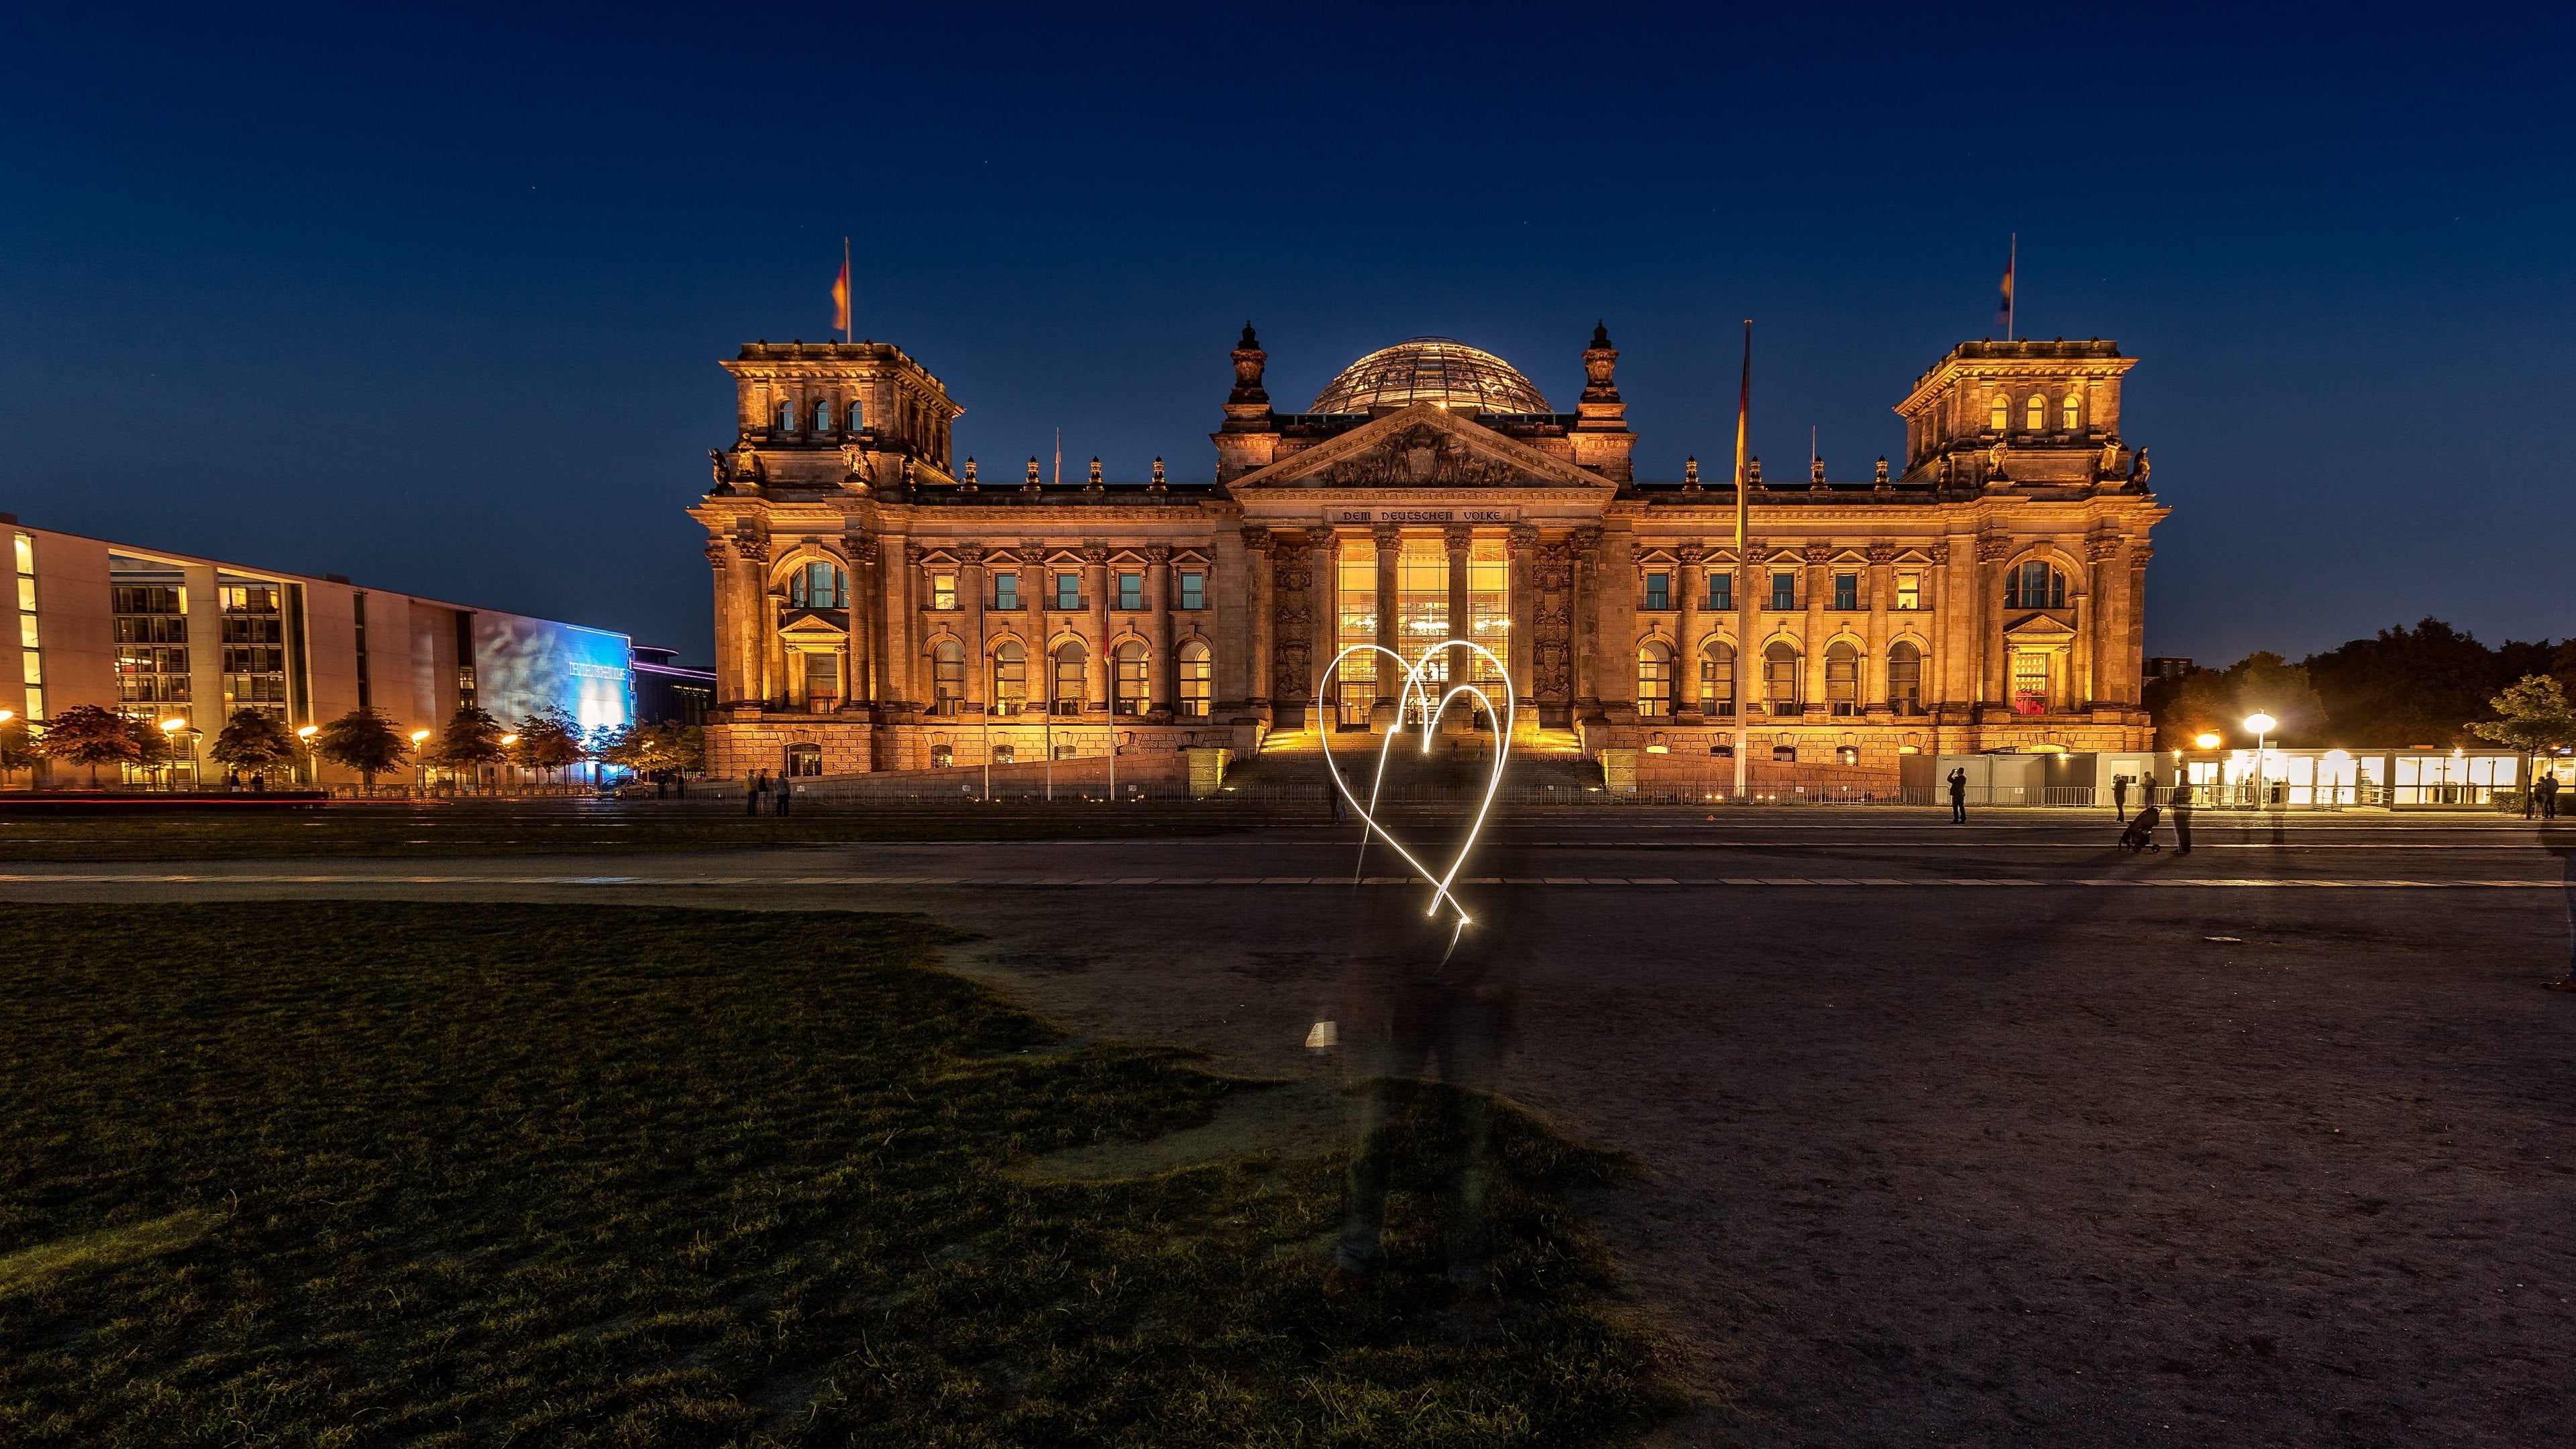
{"x":2004,"y":309}
{"x":841,"y":293}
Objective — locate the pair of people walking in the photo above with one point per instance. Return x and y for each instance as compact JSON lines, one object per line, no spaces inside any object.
{"x":2541,"y":798}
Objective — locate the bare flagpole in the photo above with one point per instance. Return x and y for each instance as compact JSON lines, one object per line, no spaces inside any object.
{"x":1744,"y":655}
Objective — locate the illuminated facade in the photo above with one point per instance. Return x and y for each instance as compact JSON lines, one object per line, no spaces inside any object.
{"x":880,"y":606}
{"x":166,"y":636}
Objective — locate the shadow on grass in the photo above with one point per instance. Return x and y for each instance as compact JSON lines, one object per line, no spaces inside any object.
{"x":360,"y":1174}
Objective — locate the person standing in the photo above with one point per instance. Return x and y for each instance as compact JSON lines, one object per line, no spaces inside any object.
{"x":2180,"y":809}
{"x":2120,"y":797}
{"x":1959,"y":795}
{"x":2547,"y":790}
{"x":2147,"y":789}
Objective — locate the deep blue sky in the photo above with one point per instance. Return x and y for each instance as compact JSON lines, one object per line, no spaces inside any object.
{"x":435,"y":300}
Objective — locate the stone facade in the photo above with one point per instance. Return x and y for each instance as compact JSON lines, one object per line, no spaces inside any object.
{"x":880,"y":608}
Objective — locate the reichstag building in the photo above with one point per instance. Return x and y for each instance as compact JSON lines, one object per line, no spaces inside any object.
{"x":881,"y":606}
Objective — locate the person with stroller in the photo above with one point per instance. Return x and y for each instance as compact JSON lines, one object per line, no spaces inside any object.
{"x":2141,"y":831}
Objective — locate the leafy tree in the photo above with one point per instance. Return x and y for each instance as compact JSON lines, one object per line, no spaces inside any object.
{"x":253,"y":742}
{"x":2409,"y":686}
{"x":88,"y":735}
{"x":364,"y":741}
{"x":2532,"y":716}
{"x":2217,"y":701}
{"x":471,"y":740}
{"x":548,"y":740}
{"x":688,"y":749}
{"x":17,"y":750}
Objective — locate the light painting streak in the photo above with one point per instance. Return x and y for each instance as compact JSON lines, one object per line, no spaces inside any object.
{"x":1414,"y":692}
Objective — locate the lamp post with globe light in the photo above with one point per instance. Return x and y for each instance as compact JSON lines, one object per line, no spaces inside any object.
{"x":506,"y":742}
{"x":419,"y":766}
{"x":2262,"y":725}
{"x":312,"y":761}
{"x":169,"y":742}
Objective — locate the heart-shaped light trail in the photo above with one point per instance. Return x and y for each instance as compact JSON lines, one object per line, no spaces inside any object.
{"x":1416,"y":693}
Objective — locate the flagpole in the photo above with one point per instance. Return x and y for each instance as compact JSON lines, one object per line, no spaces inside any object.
{"x":2012,"y":293}
{"x":849,"y":304}
{"x":1744,"y":656}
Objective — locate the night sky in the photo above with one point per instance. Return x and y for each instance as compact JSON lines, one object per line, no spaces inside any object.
{"x":436,"y":302}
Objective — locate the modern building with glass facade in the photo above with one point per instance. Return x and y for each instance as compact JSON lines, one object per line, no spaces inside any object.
{"x":879,"y":604}
{"x":164,"y":636}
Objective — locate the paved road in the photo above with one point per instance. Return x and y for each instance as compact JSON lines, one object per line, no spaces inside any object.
{"x":2245,"y":1148}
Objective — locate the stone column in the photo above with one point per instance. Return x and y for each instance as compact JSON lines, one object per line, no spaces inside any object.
{"x":1587,"y":622}
{"x":1942,"y":685}
{"x":731,"y":626}
{"x":2092,"y":636}
{"x":867,"y":616}
{"x":1996,"y":686}
{"x":1389,"y":542}
{"x":1158,"y":591}
{"x":1323,"y":566}
{"x":1260,"y":626}
{"x":1521,"y":582}
{"x":1873,"y":670}
{"x":1618,"y":581}
{"x":1461,"y":544}
{"x":903,"y":619}
{"x":1812,"y":632}
{"x":1691,"y":575}
{"x":970,"y":582}
{"x":2128,"y":669}
{"x":1096,"y":670}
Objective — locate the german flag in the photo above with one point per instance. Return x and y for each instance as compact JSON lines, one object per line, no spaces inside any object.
{"x":841,"y":292}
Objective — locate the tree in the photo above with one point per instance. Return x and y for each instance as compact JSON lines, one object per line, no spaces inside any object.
{"x":17,"y":750}
{"x":471,"y":740}
{"x":2532,"y":716}
{"x":88,"y":735}
{"x":2407,"y":686}
{"x":548,"y":740}
{"x":364,"y":741}
{"x":2211,"y":701}
{"x":253,"y":742}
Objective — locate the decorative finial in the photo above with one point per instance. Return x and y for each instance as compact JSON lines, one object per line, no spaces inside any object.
{"x":1094,"y":485}
{"x":1601,"y":333}
{"x":1816,"y":471}
{"x":1158,"y":475}
{"x":1753,"y":470}
{"x":1031,"y":486}
{"x":1248,"y":339}
{"x":1690,"y":474}
{"x":967,"y":483}
{"x":1882,"y":470}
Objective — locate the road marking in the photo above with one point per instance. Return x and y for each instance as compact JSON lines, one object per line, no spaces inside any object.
{"x":1058,"y":881}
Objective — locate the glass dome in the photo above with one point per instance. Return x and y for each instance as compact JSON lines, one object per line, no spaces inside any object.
{"x":1439,"y":370}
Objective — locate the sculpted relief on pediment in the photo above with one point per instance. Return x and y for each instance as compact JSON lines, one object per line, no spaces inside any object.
{"x":1419,"y":455}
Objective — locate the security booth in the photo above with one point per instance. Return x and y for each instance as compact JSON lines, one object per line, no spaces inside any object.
{"x":2312,"y":779}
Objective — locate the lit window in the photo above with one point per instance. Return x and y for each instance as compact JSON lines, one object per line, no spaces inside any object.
{"x":1721,"y":588}
{"x":1846,"y":591}
{"x":2030,"y":683}
{"x":2035,"y":417}
{"x":2072,"y":412}
{"x":1784,"y":589}
{"x":1847,"y":754}
{"x":1128,"y":678}
{"x":947,"y":676}
{"x":1904,"y":678}
{"x":1909,"y":591}
{"x":1717,"y":678}
{"x":1068,"y":590}
{"x":943,"y":591}
{"x":1654,"y":680}
{"x":2034,"y":585}
{"x":1010,"y":679}
{"x":942,"y":756}
{"x":1131,"y":591}
{"x":1069,"y":660}
{"x":1780,"y":678}
{"x":1659,"y":592}
{"x":1842,"y":678}
{"x":1006,"y":591}
{"x":1785,"y":754}
{"x":1198,"y":679}
{"x":822,"y":681}
{"x":1193,"y":591}
{"x":2000,"y":416}
{"x":818,"y":586}
{"x":1006,"y":755}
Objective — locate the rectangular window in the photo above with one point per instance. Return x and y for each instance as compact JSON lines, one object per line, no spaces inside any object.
{"x":1006,"y":591}
{"x":1846,"y":591}
{"x":1659,"y":591}
{"x":1721,"y":590}
{"x":1068,"y":591}
{"x":1131,"y":591}
{"x":1193,"y":591}
{"x":943,"y":591}
{"x":1784,"y":590}
{"x":1909,"y":591}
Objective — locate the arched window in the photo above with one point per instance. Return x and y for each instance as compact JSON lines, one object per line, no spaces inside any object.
{"x":1904,"y":678}
{"x":858,"y":415}
{"x":1780,"y":678}
{"x":1654,"y":680}
{"x":822,"y":415}
{"x":818,"y":585}
{"x":1010,"y":677}
{"x":2035,"y":417}
{"x":1999,"y":417}
{"x":1842,"y":677}
{"x":787,"y":417}
{"x":2071,"y":413}
{"x":1127,"y":678}
{"x":1069,"y":658}
{"x":1717,"y":678}
{"x":2035,"y":585}
{"x":947,"y":676}
{"x":1198,"y":680}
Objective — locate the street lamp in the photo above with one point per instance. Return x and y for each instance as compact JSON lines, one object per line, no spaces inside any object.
{"x":419,"y":766}
{"x":2207,"y":740}
{"x":312,"y":761}
{"x":506,"y":742}
{"x":2262,"y":725}
{"x":170,"y":741}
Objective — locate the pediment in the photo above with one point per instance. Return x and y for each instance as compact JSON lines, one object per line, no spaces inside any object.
{"x":2038,"y":629}
{"x":1424,"y":446}
{"x":811,"y":622}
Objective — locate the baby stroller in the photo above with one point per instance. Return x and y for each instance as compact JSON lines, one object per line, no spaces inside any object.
{"x":2141,"y":834}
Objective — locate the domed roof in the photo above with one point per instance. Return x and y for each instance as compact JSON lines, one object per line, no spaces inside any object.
{"x":1439,"y":370}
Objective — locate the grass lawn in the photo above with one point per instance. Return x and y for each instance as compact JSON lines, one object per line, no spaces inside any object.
{"x":290,"y":1173}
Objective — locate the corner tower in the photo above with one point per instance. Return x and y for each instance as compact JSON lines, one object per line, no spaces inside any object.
{"x":835,"y":414}
{"x":1999,"y":414}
